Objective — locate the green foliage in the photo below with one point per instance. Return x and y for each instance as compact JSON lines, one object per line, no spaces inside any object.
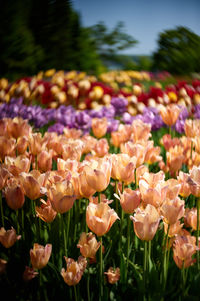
{"x":178,"y":51}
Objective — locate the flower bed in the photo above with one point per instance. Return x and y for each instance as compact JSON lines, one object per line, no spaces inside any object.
{"x":96,"y":210}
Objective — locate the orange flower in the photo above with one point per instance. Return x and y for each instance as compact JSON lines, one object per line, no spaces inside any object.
{"x":192,"y":128}
{"x":31,"y":184}
{"x":173,"y":210}
{"x":185,"y":187}
{"x":194,"y":181}
{"x":170,"y":113}
{"x":72,"y":149}
{"x":3,"y":264}
{"x":174,"y":229}
{"x":88,"y":245}
{"x":130,"y":200}
{"x":113,"y":275}
{"x":135,"y":150}
{"x":75,"y":270}
{"x":19,"y":127}
{"x":140,"y":171}
{"x":101,"y":148}
{"x":81,"y":187}
{"x":45,"y":211}
{"x":4,"y":175}
{"x":123,"y":168}
{"x":190,"y":219}
{"x":99,"y":126}
{"x":44,"y":160}
{"x":146,"y":222}
{"x":17,"y":165}
{"x":183,"y":250}
{"x":173,"y":188}
{"x":61,"y":195}
{"x":8,"y":238}
{"x":175,"y":159}
{"x":40,"y":255}
{"x":98,"y":174}
{"x":14,"y":194}
{"x":35,"y":143}
{"x":22,"y":144}
{"x":100,"y":218}
{"x":152,"y":188}
{"x":141,"y":130}
{"x":7,"y":147}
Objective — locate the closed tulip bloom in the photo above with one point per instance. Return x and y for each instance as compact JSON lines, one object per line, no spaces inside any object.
{"x":44,"y":160}
{"x":98,"y":177}
{"x":100,"y":218}
{"x":190,"y":219}
{"x":173,"y":210}
{"x":8,"y":238}
{"x":14,"y":194}
{"x":62,"y":196}
{"x":81,"y":187}
{"x":99,"y":126}
{"x":175,"y":159}
{"x":31,"y":185}
{"x":130,"y":200}
{"x":185,"y":187}
{"x":7,"y":147}
{"x":146,"y":222}
{"x":173,"y":188}
{"x":113,"y":275}
{"x":45,"y":211}
{"x":40,"y":255}
{"x":183,"y":250}
{"x":101,"y":148}
{"x":35,"y":143}
{"x":174,"y":229}
{"x":134,"y":150}
{"x":88,"y":245}
{"x":170,"y":113}
{"x":22,"y":144}
{"x":19,"y":127}
{"x":75,"y":269}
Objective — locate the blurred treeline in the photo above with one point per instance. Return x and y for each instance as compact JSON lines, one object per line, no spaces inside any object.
{"x":43,"y":34}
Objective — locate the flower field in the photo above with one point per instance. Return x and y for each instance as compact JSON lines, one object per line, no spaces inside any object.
{"x":100,"y":187}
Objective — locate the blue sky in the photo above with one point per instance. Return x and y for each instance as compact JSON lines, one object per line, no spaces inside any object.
{"x":143,"y":19}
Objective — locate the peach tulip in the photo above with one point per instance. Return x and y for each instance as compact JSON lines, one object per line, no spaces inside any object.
{"x":123,"y":168}
{"x":40,"y":255}
{"x":170,"y":113}
{"x":141,"y":130}
{"x":88,"y":245}
{"x":44,"y":160}
{"x":29,"y":274}
{"x":130,"y":200}
{"x":62,"y":196}
{"x":14,"y":194}
{"x":174,"y":229}
{"x":31,"y":184}
{"x":192,"y":128}
{"x":17,"y":165}
{"x":45,"y":211}
{"x":19,"y":127}
{"x":185,"y":187}
{"x":101,"y":148}
{"x":190,"y":219}
{"x":173,"y":210}
{"x":183,"y":250}
{"x":113,"y":275}
{"x":194,"y":181}
{"x":7,"y":147}
{"x":100,"y":218}
{"x":146,"y":222}
{"x":8,"y":238}
{"x":75,"y":269}
{"x":99,"y":127}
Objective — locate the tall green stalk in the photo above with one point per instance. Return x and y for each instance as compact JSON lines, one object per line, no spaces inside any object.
{"x":101,"y":271}
{"x":128,"y":247}
{"x":145,"y":271}
{"x":165,"y":261}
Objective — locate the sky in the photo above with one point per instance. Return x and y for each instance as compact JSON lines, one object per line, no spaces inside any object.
{"x":143,"y":19}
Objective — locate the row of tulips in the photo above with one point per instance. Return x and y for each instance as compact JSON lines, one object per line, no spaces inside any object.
{"x":67,"y":202}
{"x":87,"y":92}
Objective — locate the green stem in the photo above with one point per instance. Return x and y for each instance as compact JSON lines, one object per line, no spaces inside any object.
{"x":197,"y":233}
{"x":1,"y":206}
{"x":191,"y":150}
{"x":64,"y":234}
{"x":145,"y":267}
{"x":136,"y":186}
{"x":88,"y":285}
{"x":75,"y":293}
{"x":116,"y":191}
{"x":22,"y":217}
{"x":86,"y":227}
{"x":122,"y":186}
{"x":99,"y":197}
{"x":165,"y":263}
{"x":149,"y":253}
{"x":101,"y":270}
{"x":67,"y":233}
{"x":128,"y":246}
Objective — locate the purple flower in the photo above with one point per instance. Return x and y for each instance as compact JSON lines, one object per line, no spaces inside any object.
{"x":113,"y":125}
{"x":82,"y":121}
{"x":120,"y":105}
{"x":57,"y":127}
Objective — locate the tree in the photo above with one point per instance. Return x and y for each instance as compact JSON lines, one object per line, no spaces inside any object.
{"x":178,"y":51}
{"x":109,"y":43}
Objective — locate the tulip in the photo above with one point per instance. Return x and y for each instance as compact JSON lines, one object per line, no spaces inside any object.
{"x":100,"y":218}
{"x":183,"y":250}
{"x":185,"y":187}
{"x":123,"y":168}
{"x":75,"y":269}
{"x":19,"y":127}
{"x":173,"y":210}
{"x":35,"y":143}
{"x":190,"y":219}
{"x":192,"y":128}
{"x":45,"y":211}
{"x":44,"y":160}
{"x":22,"y":144}
{"x":146,"y":222}
{"x":14,"y":194}
{"x":169,"y":114}
{"x":31,"y":184}
{"x":99,"y":127}
{"x":98,"y":177}
{"x":174,"y":229}
{"x":3,"y":264}
{"x":17,"y":165}
{"x":113,"y":275}
{"x":72,"y":150}
{"x":40,"y":255}
{"x":141,"y":130}
{"x":7,"y":147}
{"x":29,"y":274}
{"x":8,"y":238}
{"x":88,"y":245}
{"x":101,"y":148}
{"x":62,"y":196}
{"x":130,"y":200}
